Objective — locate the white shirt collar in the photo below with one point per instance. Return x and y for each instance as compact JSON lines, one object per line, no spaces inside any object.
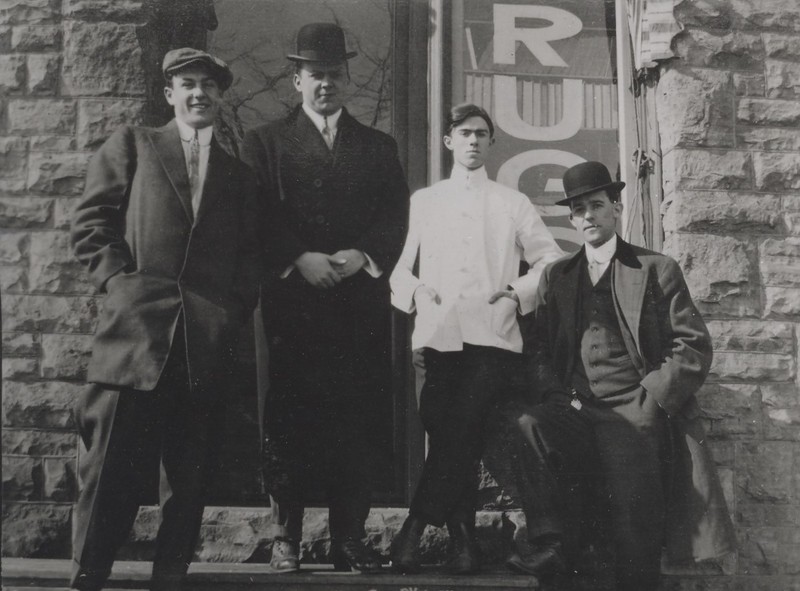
{"x":319,"y":120}
{"x":471,"y":178}
{"x":603,"y":253}
{"x":187,"y":133}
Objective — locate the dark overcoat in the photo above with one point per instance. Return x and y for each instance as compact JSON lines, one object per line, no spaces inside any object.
{"x":135,"y":231}
{"x":321,"y":200}
{"x":669,"y":344}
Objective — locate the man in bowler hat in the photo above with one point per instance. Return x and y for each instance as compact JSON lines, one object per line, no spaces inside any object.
{"x":165,"y":229}
{"x":618,"y":352}
{"x":336,"y":201}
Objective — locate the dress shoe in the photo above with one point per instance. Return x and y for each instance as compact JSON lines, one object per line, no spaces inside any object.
{"x":545,"y":559}
{"x":350,"y":554}
{"x":465,"y":551}
{"x":88,"y":581}
{"x":285,"y":556}
{"x":405,"y":546}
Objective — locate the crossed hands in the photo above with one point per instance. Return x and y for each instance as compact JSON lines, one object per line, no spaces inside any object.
{"x":324,"y":271}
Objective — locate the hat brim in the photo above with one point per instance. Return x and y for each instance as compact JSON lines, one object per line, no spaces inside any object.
{"x":616,"y":186}
{"x":223,"y":76}
{"x":322,"y":59}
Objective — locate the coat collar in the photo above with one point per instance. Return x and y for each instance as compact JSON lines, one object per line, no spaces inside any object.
{"x":305,"y":136}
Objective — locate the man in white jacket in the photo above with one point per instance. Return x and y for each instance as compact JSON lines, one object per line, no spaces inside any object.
{"x":470,"y":234}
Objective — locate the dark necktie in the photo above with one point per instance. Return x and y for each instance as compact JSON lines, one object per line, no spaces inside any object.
{"x":194,"y":170}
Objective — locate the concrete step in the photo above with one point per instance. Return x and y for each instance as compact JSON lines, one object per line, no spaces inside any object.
{"x":53,"y":575}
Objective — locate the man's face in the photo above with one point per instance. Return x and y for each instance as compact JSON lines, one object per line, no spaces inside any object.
{"x":595,"y":217}
{"x":470,"y":142}
{"x":322,"y":86}
{"x":194,"y":95}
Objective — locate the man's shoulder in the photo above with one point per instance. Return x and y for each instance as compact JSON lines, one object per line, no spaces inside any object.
{"x":647,"y":257}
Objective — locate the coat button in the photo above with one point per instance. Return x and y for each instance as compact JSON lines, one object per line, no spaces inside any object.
{"x":317,"y":183}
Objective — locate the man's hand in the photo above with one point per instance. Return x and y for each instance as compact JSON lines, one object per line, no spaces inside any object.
{"x":348,"y":262}
{"x":317,"y":268}
{"x":428,"y":293}
{"x":505,"y":293}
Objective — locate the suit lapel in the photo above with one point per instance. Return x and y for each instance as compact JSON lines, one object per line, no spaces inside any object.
{"x":167,"y":144}
{"x":307,"y":138}
{"x":567,"y":297}
{"x":215,"y":182}
{"x":630,"y":281}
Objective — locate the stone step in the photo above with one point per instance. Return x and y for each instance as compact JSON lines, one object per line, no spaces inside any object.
{"x":53,"y":575}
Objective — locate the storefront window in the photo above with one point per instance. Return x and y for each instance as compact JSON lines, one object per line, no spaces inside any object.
{"x":546,"y":72}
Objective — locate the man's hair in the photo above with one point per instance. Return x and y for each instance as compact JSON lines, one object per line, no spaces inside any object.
{"x":460,"y":113}
{"x":298,"y":65}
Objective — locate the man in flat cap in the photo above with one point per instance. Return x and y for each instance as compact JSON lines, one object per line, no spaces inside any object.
{"x":618,"y":351}
{"x":337,"y":204}
{"x":165,"y":229}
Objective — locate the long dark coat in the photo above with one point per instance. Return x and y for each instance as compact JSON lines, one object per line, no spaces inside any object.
{"x":135,"y":231}
{"x":321,"y":200}
{"x":669,"y":344}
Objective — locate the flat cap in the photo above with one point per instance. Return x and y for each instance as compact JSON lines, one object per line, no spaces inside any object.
{"x":175,"y":59}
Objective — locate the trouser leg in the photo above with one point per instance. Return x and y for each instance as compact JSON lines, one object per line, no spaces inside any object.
{"x":458,"y":392}
{"x":118,"y":460}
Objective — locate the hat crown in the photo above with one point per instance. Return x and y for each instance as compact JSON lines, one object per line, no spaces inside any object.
{"x":321,"y":42}
{"x":182,"y":57}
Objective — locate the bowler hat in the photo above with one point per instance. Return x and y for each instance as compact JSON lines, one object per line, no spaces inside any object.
{"x":180,"y":58}
{"x":321,"y":42}
{"x":587,"y":177}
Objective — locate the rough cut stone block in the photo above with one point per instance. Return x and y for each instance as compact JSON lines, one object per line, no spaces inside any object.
{"x":716,"y":268}
{"x":54,"y":268}
{"x":58,"y":174}
{"x":782,"y":302}
{"x":27,"y":212}
{"x":36,"y":529}
{"x":36,"y":38}
{"x":43,"y":74}
{"x":768,"y":112}
{"x":728,"y":366}
{"x":776,"y":172}
{"x":731,"y":409}
{"x":104,"y":10}
{"x":13,"y":247}
{"x":22,"y":478}
{"x":41,"y":116}
{"x":59,"y":314}
{"x":707,"y":169}
{"x":766,"y":472}
{"x":14,"y":12}
{"x":39,"y":405}
{"x":20,"y":369}
{"x":752,"y":335}
{"x":734,"y":50}
{"x":120,"y":73}
{"x":97,"y":119}
{"x":20,"y":344}
{"x":695,"y":108}
{"x":33,"y":442}
{"x":5,"y":38}
{"x":757,"y":514}
{"x":780,"y":262}
{"x":781,"y":411}
{"x":60,"y":480}
{"x":12,"y":74}
{"x":769,"y":550}
{"x":781,"y":46}
{"x":746,"y":84}
{"x":769,"y":139}
{"x":13,"y":279}
{"x":63,"y":212}
{"x":13,"y":171}
{"x":53,"y":143}
{"x":766,"y":14}
{"x":782,"y":79}
{"x":65,"y":357}
{"x":723,"y":212}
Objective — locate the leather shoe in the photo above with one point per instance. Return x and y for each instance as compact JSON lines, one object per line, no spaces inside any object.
{"x":465,"y":551}
{"x":405,"y":546}
{"x":350,"y":554}
{"x":285,"y":556}
{"x":88,"y":581}
{"x":545,"y":559}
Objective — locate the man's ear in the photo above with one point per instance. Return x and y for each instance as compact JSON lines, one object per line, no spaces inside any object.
{"x":448,"y":142}
{"x":296,"y":81}
{"x":168,"y":94}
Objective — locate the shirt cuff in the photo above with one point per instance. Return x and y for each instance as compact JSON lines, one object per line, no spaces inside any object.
{"x":371,"y":267}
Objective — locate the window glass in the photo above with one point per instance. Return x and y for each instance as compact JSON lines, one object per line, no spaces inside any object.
{"x":546,"y":72}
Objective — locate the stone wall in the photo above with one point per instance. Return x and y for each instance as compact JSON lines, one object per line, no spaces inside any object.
{"x":728,"y":110}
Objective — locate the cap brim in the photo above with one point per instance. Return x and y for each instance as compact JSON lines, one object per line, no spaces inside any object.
{"x":223,"y":76}
{"x":327,"y":60}
{"x":616,"y":185}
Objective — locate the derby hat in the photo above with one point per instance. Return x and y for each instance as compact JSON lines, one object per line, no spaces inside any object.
{"x":587,"y":177}
{"x":321,"y":42}
{"x":177,"y":59}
